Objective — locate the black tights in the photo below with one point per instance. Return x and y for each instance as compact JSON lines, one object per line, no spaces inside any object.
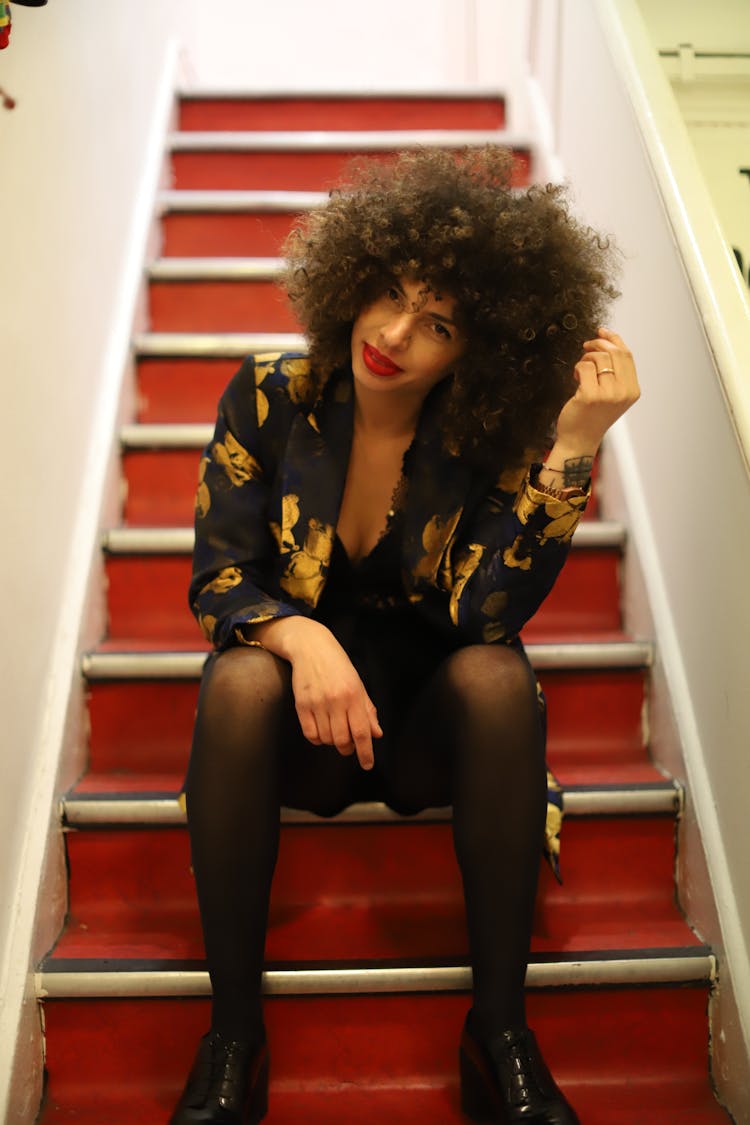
{"x":473,"y":739}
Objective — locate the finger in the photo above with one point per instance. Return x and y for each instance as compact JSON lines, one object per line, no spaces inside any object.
{"x":365,"y":754}
{"x":588,"y":380}
{"x":608,"y":334}
{"x":603,"y":333}
{"x":323,"y":722}
{"x":375,"y":728}
{"x":599,"y":354}
{"x":360,"y":725}
{"x":308,"y":725}
{"x":341,"y":736}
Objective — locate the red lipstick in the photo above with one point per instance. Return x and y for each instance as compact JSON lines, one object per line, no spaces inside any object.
{"x":378,"y":363}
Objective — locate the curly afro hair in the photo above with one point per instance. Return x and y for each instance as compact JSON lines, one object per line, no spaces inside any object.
{"x":530,"y":283}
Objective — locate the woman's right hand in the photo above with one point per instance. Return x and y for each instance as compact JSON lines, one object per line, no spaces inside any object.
{"x":331,"y":702}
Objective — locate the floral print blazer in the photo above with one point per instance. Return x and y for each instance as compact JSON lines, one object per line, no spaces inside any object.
{"x":479,"y":556}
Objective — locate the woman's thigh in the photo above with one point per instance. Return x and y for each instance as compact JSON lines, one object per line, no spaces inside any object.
{"x":491,"y":688}
{"x":246,"y":719}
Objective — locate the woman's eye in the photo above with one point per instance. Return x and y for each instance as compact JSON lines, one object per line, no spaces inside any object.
{"x":393,"y":294}
{"x":441,"y":330}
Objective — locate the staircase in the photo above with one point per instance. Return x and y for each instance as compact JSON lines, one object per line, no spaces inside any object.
{"x":367,"y":979}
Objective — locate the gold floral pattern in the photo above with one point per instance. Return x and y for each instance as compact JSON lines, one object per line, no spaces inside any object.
{"x":202,"y":494}
{"x":462,"y":572}
{"x":239,"y":465}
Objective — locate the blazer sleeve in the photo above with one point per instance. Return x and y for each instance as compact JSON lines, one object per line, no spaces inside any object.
{"x":507,"y":559}
{"x":235,"y":551}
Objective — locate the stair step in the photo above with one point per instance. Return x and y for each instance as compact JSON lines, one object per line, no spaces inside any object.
{"x":404,"y":1106}
{"x":405,"y":907}
{"x":310,"y":161}
{"x":181,"y":390}
{"x":231,"y":223}
{"x":218,"y":294}
{"x":213,"y":226}
{"x":409,"y":110}
{"x":142,"y":727}
{"x":634,"y":1058}
{"x":147,"y":596}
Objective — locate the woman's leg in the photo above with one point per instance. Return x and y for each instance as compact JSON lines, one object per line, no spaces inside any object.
{"x":474,"y":739}
{"x":248,"y":757}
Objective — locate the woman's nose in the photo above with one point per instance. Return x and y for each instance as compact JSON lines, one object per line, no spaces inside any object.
{"x":397,"y":330}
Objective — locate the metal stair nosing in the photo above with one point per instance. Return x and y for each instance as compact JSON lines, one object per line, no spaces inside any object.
{"x":214,"y":345}
{"x":363,"y":94}
{"x":228,"y":200}
{"x":590,"y":535}
{"x":350,"y":140}
{"x":159,"y":809}
{"x":215,"y":269}
{"x":188,"y":664}
{"x":86,"y":979}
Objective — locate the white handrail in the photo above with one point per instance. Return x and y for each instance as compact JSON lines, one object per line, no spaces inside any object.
{"x":720,"y":293}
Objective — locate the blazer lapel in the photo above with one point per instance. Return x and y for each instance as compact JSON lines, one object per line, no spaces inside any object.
{"x":309,"y":490}
{"x":439,"y":488}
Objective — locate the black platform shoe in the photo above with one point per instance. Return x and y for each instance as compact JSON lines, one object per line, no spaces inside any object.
{"x":506,"y":1081}
{"x":228,"y":1084}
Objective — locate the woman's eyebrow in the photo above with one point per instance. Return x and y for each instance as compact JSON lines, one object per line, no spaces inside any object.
{"x":439,"y":316}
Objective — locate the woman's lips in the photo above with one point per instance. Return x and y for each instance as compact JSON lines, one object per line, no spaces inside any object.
{"x":376,"y":362}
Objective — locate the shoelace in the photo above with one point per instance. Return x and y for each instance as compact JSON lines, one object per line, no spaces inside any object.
{"x":526,"y":1087}
{"x":229,"y":1071}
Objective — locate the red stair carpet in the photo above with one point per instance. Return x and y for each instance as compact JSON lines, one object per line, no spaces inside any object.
{"x":367,"y":979}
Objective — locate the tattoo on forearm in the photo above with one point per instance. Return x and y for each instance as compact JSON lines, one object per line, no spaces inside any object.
{"x":577,"y":472}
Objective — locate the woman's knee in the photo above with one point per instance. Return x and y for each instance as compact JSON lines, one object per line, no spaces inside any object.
{"x":244,"y":680}
{"x":493,"y":675}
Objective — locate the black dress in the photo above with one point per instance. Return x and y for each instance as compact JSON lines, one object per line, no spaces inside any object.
{"x":393,"y":648}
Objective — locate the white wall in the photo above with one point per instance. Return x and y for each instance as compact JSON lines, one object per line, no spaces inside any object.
{"x":86,"y":78}
{"x":340,"y":44}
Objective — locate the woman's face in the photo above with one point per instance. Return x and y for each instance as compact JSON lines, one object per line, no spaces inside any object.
{"x":406,"y":341}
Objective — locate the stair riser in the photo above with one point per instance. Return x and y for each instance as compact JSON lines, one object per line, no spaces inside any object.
{"x":181,"y":390}
{"x":219,"y":306}
{"x":146,"y":727}
{"x":281,"y":171}
{"x":244,"y":235}
{"x":147,"y":597}
{"x":655,"y":1035}
{"x":316,"y":114}
{"x":370,"y":892}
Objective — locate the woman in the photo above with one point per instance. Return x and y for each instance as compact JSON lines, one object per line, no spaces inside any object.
{"x":374,"y":526}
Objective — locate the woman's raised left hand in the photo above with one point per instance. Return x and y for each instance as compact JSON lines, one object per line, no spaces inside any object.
{"x":607,"y":387}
